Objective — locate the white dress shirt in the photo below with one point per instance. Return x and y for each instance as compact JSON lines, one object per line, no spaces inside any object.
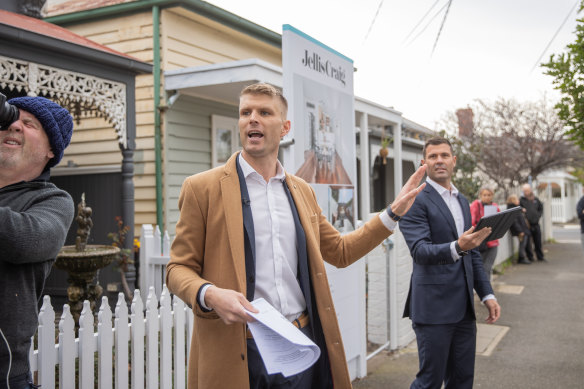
{"x":275,"y":242}
{"x":276,"y":268}
{"x":451,"y":199}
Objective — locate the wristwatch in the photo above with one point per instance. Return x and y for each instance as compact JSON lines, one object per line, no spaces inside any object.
{"x":459,"y":250}
{"x":392,"y":215}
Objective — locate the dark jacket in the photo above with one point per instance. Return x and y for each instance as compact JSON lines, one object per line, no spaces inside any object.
{"x":580,"y":212}
{"x":534,"y":209}
{"x":519,"y":224}
{"x":440,"y":288}
{"x":35,"y":217}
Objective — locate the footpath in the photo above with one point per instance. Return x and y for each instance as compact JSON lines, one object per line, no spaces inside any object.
{"x":539,"y":340}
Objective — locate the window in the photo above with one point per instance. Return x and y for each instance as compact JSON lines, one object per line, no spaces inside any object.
{"x":224,"y":139}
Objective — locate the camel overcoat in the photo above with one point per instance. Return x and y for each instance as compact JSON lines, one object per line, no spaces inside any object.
{"x":209,"y":248}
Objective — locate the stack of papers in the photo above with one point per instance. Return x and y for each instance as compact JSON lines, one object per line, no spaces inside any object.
{"x":283,"y":347}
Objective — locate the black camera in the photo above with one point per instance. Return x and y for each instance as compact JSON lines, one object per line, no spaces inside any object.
{"x":8,"y":113}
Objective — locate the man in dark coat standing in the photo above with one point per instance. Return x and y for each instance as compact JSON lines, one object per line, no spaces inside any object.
{"x":447,"y":269}
{"x":533,"y":212}
{"x":520,"y":229}
{"x":580,"y":212}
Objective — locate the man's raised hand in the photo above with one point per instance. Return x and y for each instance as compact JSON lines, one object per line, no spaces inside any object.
{"x":408,"y":193}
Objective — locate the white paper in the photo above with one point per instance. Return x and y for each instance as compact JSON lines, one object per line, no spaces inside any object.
{"x":490,"y":210}
{"x":283,"y":347}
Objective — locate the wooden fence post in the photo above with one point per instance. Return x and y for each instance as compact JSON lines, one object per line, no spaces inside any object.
{"x":46,"y":356}
{"x":151,"y":340}
{"x":165,"y":340}
{"x":67,"y":349}
{"x":137,"y":338}
{"x":104,"y":345}
{"x":86,"y":347}
{"x":121,"y":339}
{"x":146,"y":250}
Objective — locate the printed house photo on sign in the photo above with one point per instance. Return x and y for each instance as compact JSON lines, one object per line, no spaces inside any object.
{"x":323,"y":148}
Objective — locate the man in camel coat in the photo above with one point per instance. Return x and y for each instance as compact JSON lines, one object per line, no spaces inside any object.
{"x":249,"y":230}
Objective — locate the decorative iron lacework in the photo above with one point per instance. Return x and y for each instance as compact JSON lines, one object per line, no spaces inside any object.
{"x":83,"y":95}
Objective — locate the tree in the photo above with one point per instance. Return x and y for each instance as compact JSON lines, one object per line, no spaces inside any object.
{"x":568,"y":71}
{"x":510,"y":141}
{"x":579,"y":174}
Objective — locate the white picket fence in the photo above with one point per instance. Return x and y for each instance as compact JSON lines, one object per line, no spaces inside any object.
{"x":146,"y":348}
{"x":154,"y":255}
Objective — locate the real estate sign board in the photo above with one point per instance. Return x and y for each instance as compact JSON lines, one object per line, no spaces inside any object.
{"x":318,"y":84}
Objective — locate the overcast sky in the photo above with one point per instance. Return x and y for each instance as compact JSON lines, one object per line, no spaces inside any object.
{"x":487,"y":48}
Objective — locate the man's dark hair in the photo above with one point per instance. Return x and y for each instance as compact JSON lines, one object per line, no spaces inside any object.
{"x":435,"y":141}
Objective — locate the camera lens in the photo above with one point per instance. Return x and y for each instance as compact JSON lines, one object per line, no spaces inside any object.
{"x":8,"y":113}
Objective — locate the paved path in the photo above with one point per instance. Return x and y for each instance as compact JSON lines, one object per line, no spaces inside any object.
{"x":539,"y":340}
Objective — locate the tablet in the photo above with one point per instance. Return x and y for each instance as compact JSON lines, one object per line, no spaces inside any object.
{"x":499,"y":222}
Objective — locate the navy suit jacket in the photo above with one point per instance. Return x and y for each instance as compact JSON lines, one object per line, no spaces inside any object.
{"x":441,"y":289}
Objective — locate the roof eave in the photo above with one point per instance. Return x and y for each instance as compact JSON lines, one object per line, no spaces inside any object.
{"x":40,"y":41}
{"x":200,"y":7}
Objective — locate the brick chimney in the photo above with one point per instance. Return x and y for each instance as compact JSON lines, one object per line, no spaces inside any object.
{"x":465,"y":121}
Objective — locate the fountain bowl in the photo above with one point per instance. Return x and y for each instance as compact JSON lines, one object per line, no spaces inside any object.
{"x":93,"y":258}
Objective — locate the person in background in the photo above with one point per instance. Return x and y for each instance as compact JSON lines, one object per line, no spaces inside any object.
{"x":520,"y":229}
{"x":35,"y":216}
{"x":478,"y":207}
{"x":533,"y":212}
{"x":580,"y":213}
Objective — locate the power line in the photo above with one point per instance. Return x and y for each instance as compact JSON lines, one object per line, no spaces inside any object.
{"x":441,"y":26}
{"x":554,"y":37}
{"x":373,"y":21}
{"x":420,"y":21}
{"x":427,"y":24}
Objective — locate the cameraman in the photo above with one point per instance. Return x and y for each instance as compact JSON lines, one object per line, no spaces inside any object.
{"x":34,"y":219}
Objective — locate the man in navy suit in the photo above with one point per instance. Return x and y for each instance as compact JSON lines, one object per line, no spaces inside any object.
{"x":446,"y":269}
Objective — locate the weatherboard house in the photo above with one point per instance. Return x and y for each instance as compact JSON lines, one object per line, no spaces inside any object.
{"x":202,"y":56}
{"x":187,"y":111}
{"x":97,"y":84}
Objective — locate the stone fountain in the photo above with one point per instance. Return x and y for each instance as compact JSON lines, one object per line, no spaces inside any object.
{"x":82,"y":261}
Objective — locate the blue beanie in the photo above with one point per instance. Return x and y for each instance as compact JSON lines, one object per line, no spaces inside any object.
{"x":56,"y":122}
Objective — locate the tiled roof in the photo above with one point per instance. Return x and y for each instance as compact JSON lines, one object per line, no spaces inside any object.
{"x":50,"y":30}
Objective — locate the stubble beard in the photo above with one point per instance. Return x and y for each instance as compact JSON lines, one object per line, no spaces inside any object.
{"x":7,"y":159}
{"x":444,"y":179}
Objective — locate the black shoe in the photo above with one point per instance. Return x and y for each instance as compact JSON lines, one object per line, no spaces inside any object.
{"x":542,"y":260}
{"x":523,"y":262}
